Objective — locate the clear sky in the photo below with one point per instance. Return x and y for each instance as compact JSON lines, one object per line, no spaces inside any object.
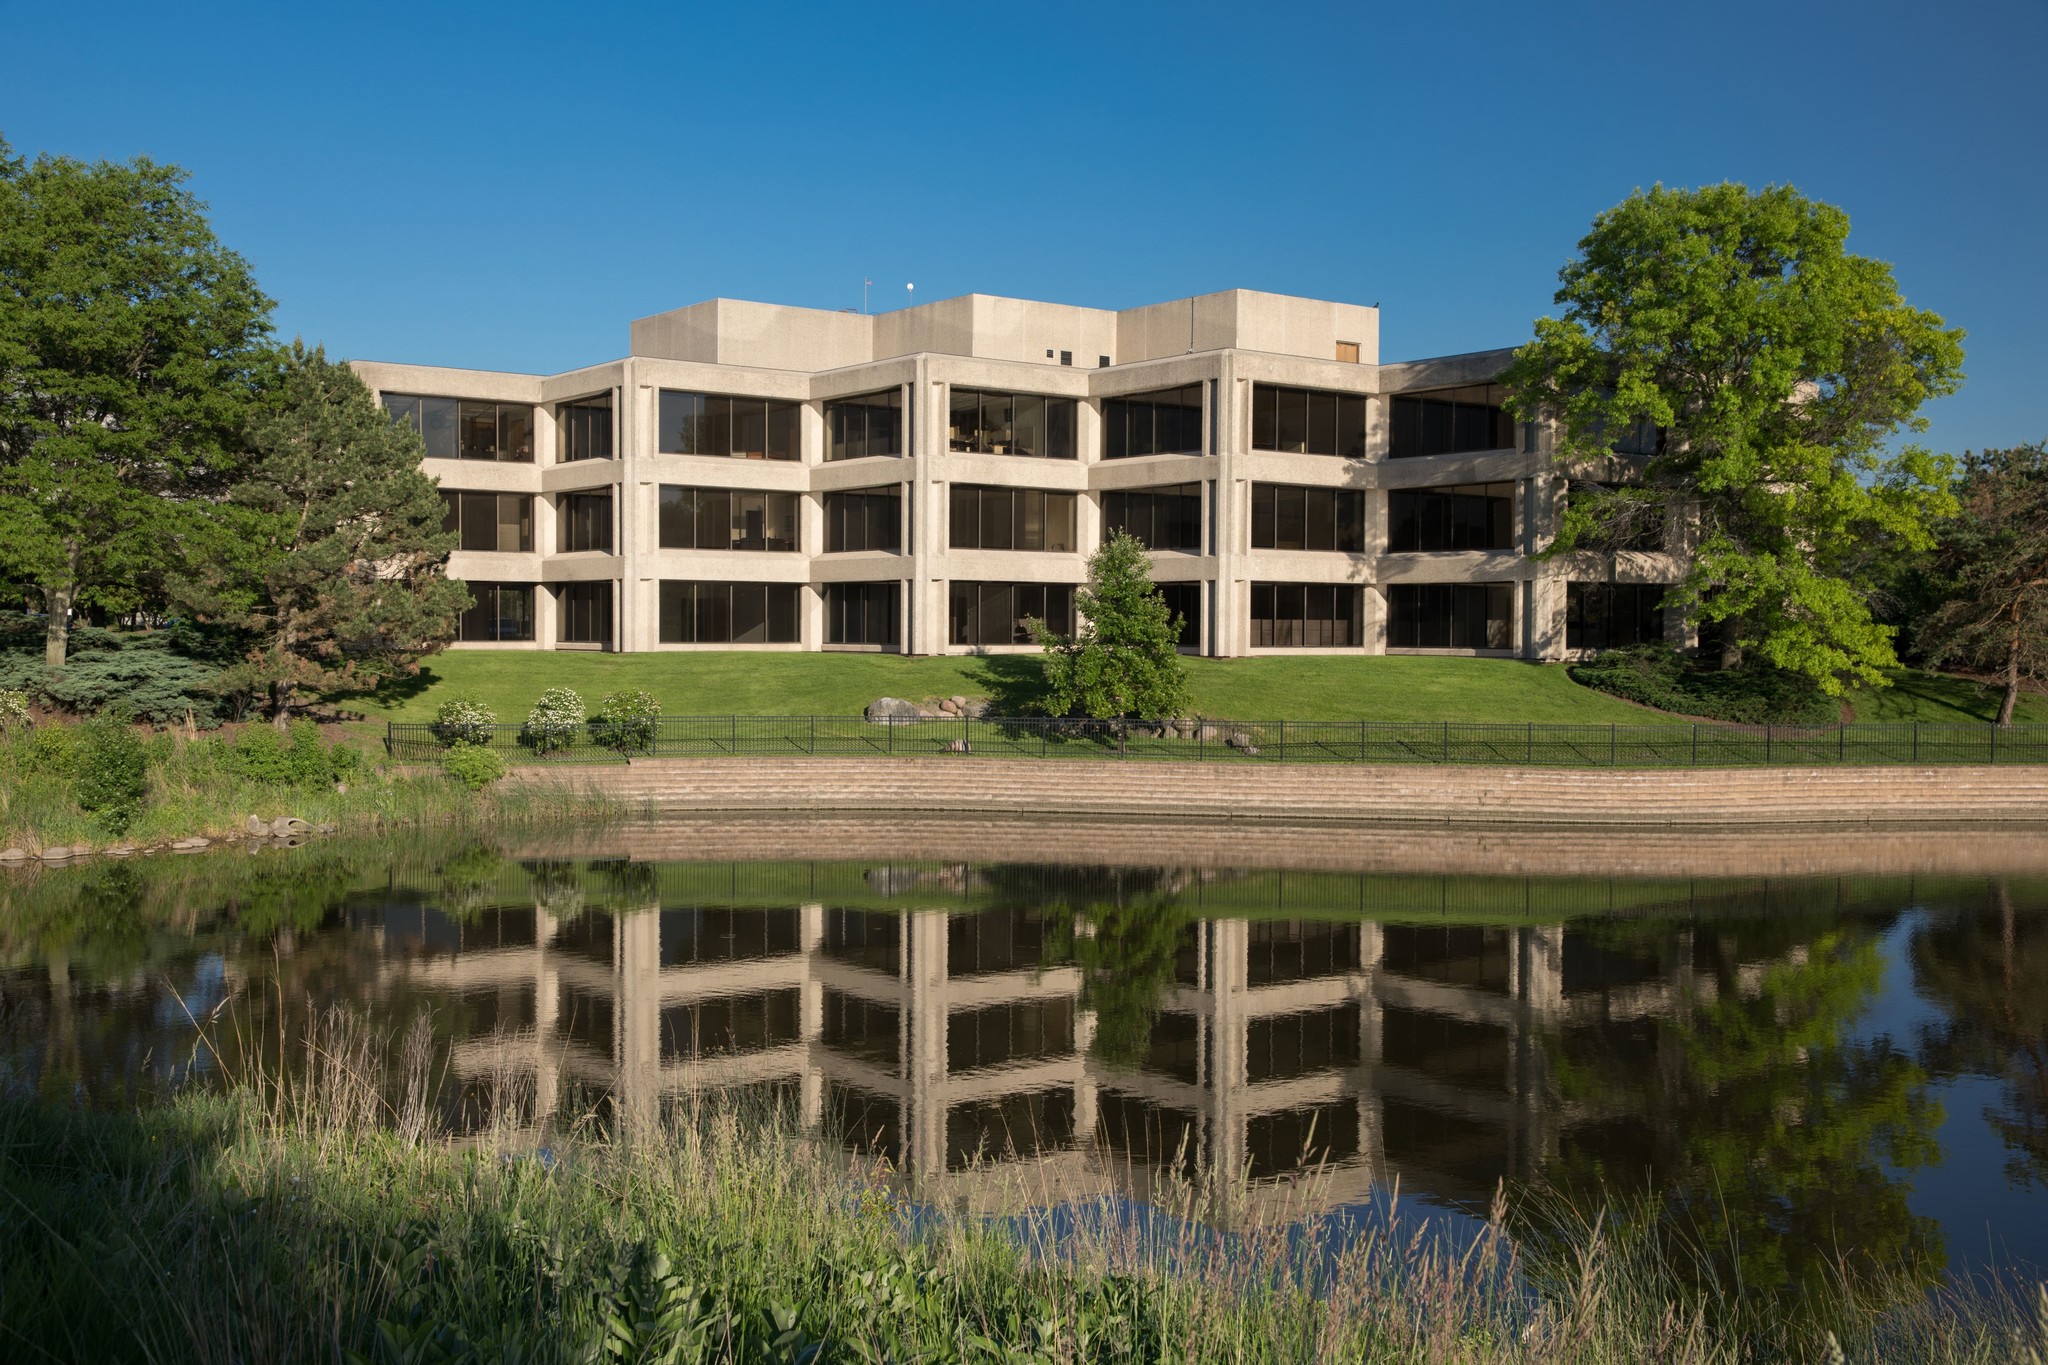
{"x":505,"y":186}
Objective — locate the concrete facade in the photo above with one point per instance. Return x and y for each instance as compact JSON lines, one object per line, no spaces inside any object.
{"x":1226,"y":347}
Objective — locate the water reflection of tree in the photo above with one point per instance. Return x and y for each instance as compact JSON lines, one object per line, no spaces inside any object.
{"x":1760,"y":1133}
{"x":1989,"y":974}
{"x":1122,"y":927}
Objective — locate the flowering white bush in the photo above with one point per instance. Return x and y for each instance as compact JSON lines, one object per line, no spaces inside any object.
{"x":13,"y":709}
{"x":554,"y":721}
{"x":625,"y":720}
{"x":464,"y":720}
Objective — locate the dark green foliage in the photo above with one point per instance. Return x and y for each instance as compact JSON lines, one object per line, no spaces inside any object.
{"x":472,"y":765}
{"x":160,"y":676}
{"x":129,"y":346}
{"x":1991,"y":572}
{"x":113,"y":771}
{"x":1125,"y":658}
{"x":1659,"y":676}
{"x":262,"y":755}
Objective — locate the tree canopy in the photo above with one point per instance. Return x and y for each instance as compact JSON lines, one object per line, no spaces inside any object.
{"x":1991,"y":569}
{"x":1778,"y":366}
{"x":130,"y":349}
{"x":1124,"y":660}
{"x":331,"y":553}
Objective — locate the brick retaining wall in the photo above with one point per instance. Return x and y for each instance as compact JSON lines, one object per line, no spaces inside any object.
{"x":1691,"y":799}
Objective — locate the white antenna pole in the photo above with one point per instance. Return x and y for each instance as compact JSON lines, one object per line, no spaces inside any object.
{"x":865,"y":282}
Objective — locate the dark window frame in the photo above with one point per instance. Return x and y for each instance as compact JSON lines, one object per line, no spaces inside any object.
{"x":1002,"y":517}
{"x":853,"y":429}
{"x":980,"y":612}
{"x":1449,"y":518}
{"x":693,"y":611}
{"x":1167,"y":517}
{"x":580,"y":528}
{"x":1292,"y":421}
{"x":728,"y":426}
{"x":586,"y":613}
{"x":864,"y":614}
{"x":455,"y":517}
{"x":1157,"y":422}
{"x":585,"y":430}
{"x":1465,"y":419}
{"x":1603,"y":615}
{"x":1313,"y":517}
{"x":484,"y":620}
{"x":1307,"y":616}
{"x":1460,"y":616}
{"x":699,"y":517}
{"x":864,"y":520}
{"x":452,"y":428}
{"x":1006,"y":420}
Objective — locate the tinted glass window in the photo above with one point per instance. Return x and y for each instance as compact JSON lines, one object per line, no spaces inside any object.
{"x":585,"y":610}
{"x":1449,"y":421}
{"x":992,"y":518}
{"x":1450,"y":616}
{"x":1306,"y":615}
{"x":866,"y":519}
{"x":1165,"y":422}
{"x":719,"y":425}
{"x":1308,"y":421}
{"x":1288,"y":517}
{"x":455,"y":428}
{"x":1611,"y":615}
{"x":862,"y":613}
{"x":1000,"y":613}
{"x":1460,"y":517}
{"x":586,"y":522}
{"x":497,"y":611}
{"x":991,"y":423}
{"x":585,"y":430}
{"x":728,"y":613}
{"x":871,"y":424}
{"x":729,"y":519}
{"x":1168,"y":518}
{"x":489,"y":521}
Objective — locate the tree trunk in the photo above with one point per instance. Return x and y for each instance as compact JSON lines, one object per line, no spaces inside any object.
{"x":57,"y":629}
{"x":281,"y":706}
{"x":2012,"y":670}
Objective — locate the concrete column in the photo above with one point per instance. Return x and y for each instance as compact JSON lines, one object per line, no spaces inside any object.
{"x":811,"y":1012}
{"x":1087,"y":1107}
{"x":925,"y":1137}
{"x":547,"y":1011}
{"x":926,"y":622}
{"x":1230,"y":941}
{"x":1229,"y":416}
{"x":636,"y":1044}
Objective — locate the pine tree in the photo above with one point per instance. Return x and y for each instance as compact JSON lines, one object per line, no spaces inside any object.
{"x":1124,"y":660}
{"x":1992,"y":563}
{"x":331,"y":555}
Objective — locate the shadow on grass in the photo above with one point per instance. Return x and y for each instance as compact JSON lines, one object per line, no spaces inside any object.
{"x":1962,"y":695}
{"x":1015,"y":683}
{"x":390,"y":693}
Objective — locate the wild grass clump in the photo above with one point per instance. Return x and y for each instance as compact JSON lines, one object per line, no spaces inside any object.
{"x":332,"y":1216}
{"x":104,"y":779}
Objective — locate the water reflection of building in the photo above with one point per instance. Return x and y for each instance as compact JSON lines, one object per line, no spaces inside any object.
{"x":949,"y":1041}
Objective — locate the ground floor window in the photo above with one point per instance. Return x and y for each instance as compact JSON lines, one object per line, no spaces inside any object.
{"x":1185,"y":601}
{"x":862,"y":613}
{"x":729,"y":613}
{"x":999,"y":613}
{"x":1450,"y":616}
{"x":498,"y":611}
{"x":1306,"y":615}
{"x":586,"y":610}
{"x":1609,"y":615}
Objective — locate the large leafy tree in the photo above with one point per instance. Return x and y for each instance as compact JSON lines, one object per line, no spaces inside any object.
{"x":1125,"y":658}
{"x":331,"y":554}
{"x":1779,"y":365}
{"x":130,"y":341}
{"x":1991,"y":564}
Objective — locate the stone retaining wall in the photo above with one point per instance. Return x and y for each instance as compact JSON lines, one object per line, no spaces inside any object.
{"x":1689,"y":798}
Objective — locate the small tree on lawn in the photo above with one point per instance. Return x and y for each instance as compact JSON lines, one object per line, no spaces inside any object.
{"x":1992,"y":559}
{"x":1123,"y":660}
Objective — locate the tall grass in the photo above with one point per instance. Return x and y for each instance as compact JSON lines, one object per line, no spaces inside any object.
{"x":331,"y":1216}
{"x":194,"y":786}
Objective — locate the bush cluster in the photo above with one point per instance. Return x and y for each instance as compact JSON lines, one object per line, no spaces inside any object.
{"x":261,"y":754}
{"x":554,"y":722}
{"x":160,"y":676}
{"x":1658,"y":675}
{"x":474,"y":766}
{"x":112,"y":771}
{"x":625,"y":721}
{"x":464,"y":720}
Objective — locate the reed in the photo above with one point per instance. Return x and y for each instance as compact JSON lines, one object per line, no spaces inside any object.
{"x":349,"y":1213}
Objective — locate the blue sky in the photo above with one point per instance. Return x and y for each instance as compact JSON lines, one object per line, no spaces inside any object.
{"x":505,"y":187}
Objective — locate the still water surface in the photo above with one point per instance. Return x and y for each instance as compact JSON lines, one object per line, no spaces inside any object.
{"x":1796,"y":1067}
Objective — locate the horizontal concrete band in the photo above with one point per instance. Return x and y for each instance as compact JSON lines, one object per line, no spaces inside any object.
{"x":1693,"y":798}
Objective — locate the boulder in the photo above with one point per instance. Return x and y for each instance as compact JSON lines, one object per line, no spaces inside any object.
{"x":959,"y":703}
{"x":891,"y":708}
{"x":191,"y":843}
{"x":12,"y":855}
{"x":258,"y":825}
{"x":957,"y":746}
{"x":949,"y":707}
{"x":120,"y":851}
{"x":56,"y":853}
{"x":1239,"y":740}
{"x":1209,"y":734}
{"x":288,"y":824}
{"x":978,"y":708}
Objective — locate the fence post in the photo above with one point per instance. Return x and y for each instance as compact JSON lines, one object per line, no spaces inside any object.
{"x":1767,"y":745}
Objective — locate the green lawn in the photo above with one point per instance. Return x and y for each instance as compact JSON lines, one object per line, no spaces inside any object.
{"x":1319,"y":687}
{"x":1942,"y":697}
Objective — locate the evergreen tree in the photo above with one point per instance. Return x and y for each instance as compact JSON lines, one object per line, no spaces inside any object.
{"x":129,"y":344}
{"x":1778,"y":366}
{"x":331,"y":555}
{"x":1991,"y":563}
{"x":1124,"y":660}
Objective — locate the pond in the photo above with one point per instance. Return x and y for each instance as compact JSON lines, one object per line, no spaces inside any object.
{"x":1796,"y":1065}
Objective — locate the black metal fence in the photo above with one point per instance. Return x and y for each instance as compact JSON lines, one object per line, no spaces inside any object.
{"x":1282,"y":741}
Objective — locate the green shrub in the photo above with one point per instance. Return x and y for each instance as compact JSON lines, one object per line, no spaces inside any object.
{"x":625,"y":721}
{"x":51,"y":751}
{"x":113,"y":771}
{"x":464,"y":720}
{"x":554,"y":722}
{"x":260,"y":754}
{"x":13,"y":709}
{"x":474,"y":766}
{"x":152,"y":675}
{"x":1659,"y":676}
